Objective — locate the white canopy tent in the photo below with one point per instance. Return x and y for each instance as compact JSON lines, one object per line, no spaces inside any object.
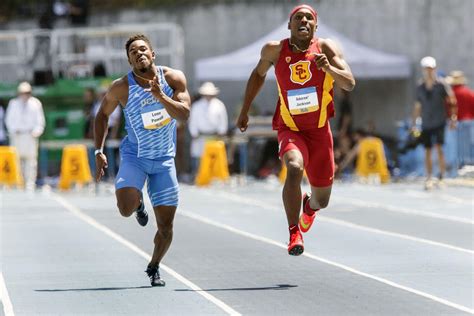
{"x":365,"y":62}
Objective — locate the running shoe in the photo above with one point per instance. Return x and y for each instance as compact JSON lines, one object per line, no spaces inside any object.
{"x":306,"y":220}
{"x":295,"y":247}
{"x":141,"y":215}
{"x":429,"y":184}
{"x":154,"y":275}
{"x":440,"y":184}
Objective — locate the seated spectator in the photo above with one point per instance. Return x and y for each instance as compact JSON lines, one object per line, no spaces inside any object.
{"x":347,"y":152}
{"x":89,"y":98}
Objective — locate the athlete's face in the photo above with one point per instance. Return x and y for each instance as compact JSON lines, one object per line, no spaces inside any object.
{"x":140,"y":56}
{"x":302,"y":24}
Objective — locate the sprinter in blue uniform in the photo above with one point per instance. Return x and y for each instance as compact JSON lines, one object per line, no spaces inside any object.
{"x":153,"y":98}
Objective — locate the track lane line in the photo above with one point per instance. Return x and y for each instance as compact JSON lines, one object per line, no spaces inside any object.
{"x":324,"y":218}
{"x":5,"y":298}
{"x":91,"y":221}
{"x":339,"y":222}
{"x":329,"y":262}
{"x":403,"y":210}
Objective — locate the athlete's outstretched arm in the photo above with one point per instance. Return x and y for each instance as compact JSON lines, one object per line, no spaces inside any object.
{"x":178,"y":106}
{"x":268,"y":57}
{"x":332,"y":61}
{"x":108,"y":105}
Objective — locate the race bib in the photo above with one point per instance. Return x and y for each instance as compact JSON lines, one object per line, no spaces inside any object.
{"x":153,"y":117}
{"x":302,"y":101}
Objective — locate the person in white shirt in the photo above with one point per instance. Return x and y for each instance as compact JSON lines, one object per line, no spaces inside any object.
{"x":207,"y":120}
{"x":25,"y":123}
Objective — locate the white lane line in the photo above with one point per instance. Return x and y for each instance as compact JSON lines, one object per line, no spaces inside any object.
{"x":322,"y":218}
{"x":329,"y":262}
{"x":5,"y":298}
{"x":404,"y":210}
{"x":357,"y":202}
{"x":388,"y":233}
{"x":415,"y":193}
{"x":448,"y":198}
{"x":86,"y":218}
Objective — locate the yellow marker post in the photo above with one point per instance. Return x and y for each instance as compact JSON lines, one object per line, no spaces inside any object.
{"x":371,"y":159}
{"x":74,"y":166}
{"x":10,"y":173}
{"x":213,"y":163}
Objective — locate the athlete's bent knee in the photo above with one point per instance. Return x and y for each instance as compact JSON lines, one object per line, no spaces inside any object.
{"x":165,"y":233}
{"x":295,"y":169}
{"x":125,"y":209}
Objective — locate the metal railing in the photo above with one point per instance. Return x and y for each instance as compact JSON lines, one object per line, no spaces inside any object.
{"x":74,"y":52}
{"x":13,"y":56}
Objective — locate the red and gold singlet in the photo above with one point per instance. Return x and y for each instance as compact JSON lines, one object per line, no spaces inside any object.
{"x":305,"y":92}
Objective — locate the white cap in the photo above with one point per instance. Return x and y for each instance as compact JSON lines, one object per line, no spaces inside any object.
{"x":428,"y":62}
{"x":24,"y":87}
{"x":208,"y":88}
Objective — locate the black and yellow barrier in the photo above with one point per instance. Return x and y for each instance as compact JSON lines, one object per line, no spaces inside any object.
{"x":10,"y":173}
{"x":74,"y":167}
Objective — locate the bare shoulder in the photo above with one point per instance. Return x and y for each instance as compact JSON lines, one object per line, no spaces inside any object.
{"x":173,"y":76}
{"x":272,"y":45}
{"x":118,"y":90}
{"x":271,"y":51}
{"x":329,"y":47}
{"x":118,"y":85}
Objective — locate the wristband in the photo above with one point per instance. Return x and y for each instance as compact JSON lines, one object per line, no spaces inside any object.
{"x":98,"y":151}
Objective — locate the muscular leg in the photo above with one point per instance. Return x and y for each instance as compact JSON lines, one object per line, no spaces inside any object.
{"x":441,"y":161}
{"x":164,"y":220}
{"x":292,"y":188}
{"x":428,"y":163}
{"x":320,"y":197}
{"x":128,"y":200}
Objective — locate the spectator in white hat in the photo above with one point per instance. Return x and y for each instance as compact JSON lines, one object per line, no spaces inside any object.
{"x":431,"y":95}
{"x":25,"y":122}
{"x":208,"y":119}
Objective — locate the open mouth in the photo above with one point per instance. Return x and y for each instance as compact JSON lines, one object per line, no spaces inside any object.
{"x":141,"y":59}
{"x":303,"y":29}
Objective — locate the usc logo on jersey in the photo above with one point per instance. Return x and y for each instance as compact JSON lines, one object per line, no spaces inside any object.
{"x":300,"y":72}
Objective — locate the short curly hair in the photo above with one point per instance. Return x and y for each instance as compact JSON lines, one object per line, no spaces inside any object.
{"x":137,"y":37}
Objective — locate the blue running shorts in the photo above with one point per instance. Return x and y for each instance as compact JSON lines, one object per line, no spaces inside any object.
{"x":162,"y":183}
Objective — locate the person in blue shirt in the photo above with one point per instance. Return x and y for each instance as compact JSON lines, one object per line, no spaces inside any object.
{"x":152,"y":98}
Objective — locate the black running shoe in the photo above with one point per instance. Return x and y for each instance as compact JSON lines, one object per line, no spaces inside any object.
{"x":141,"y":215}
{"x":154,"y":275}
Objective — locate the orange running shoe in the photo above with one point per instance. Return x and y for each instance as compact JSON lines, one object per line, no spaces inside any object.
{"x":295,"y":247}
{"x":306,"y":220}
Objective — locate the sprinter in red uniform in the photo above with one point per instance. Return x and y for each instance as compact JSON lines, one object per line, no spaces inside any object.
{"x":306,"y":68}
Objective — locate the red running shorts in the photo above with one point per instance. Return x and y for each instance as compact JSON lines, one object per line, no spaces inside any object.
{"x":316,"y":146}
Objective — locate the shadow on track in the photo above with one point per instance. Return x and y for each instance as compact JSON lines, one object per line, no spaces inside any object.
{"x":95,"y":289}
